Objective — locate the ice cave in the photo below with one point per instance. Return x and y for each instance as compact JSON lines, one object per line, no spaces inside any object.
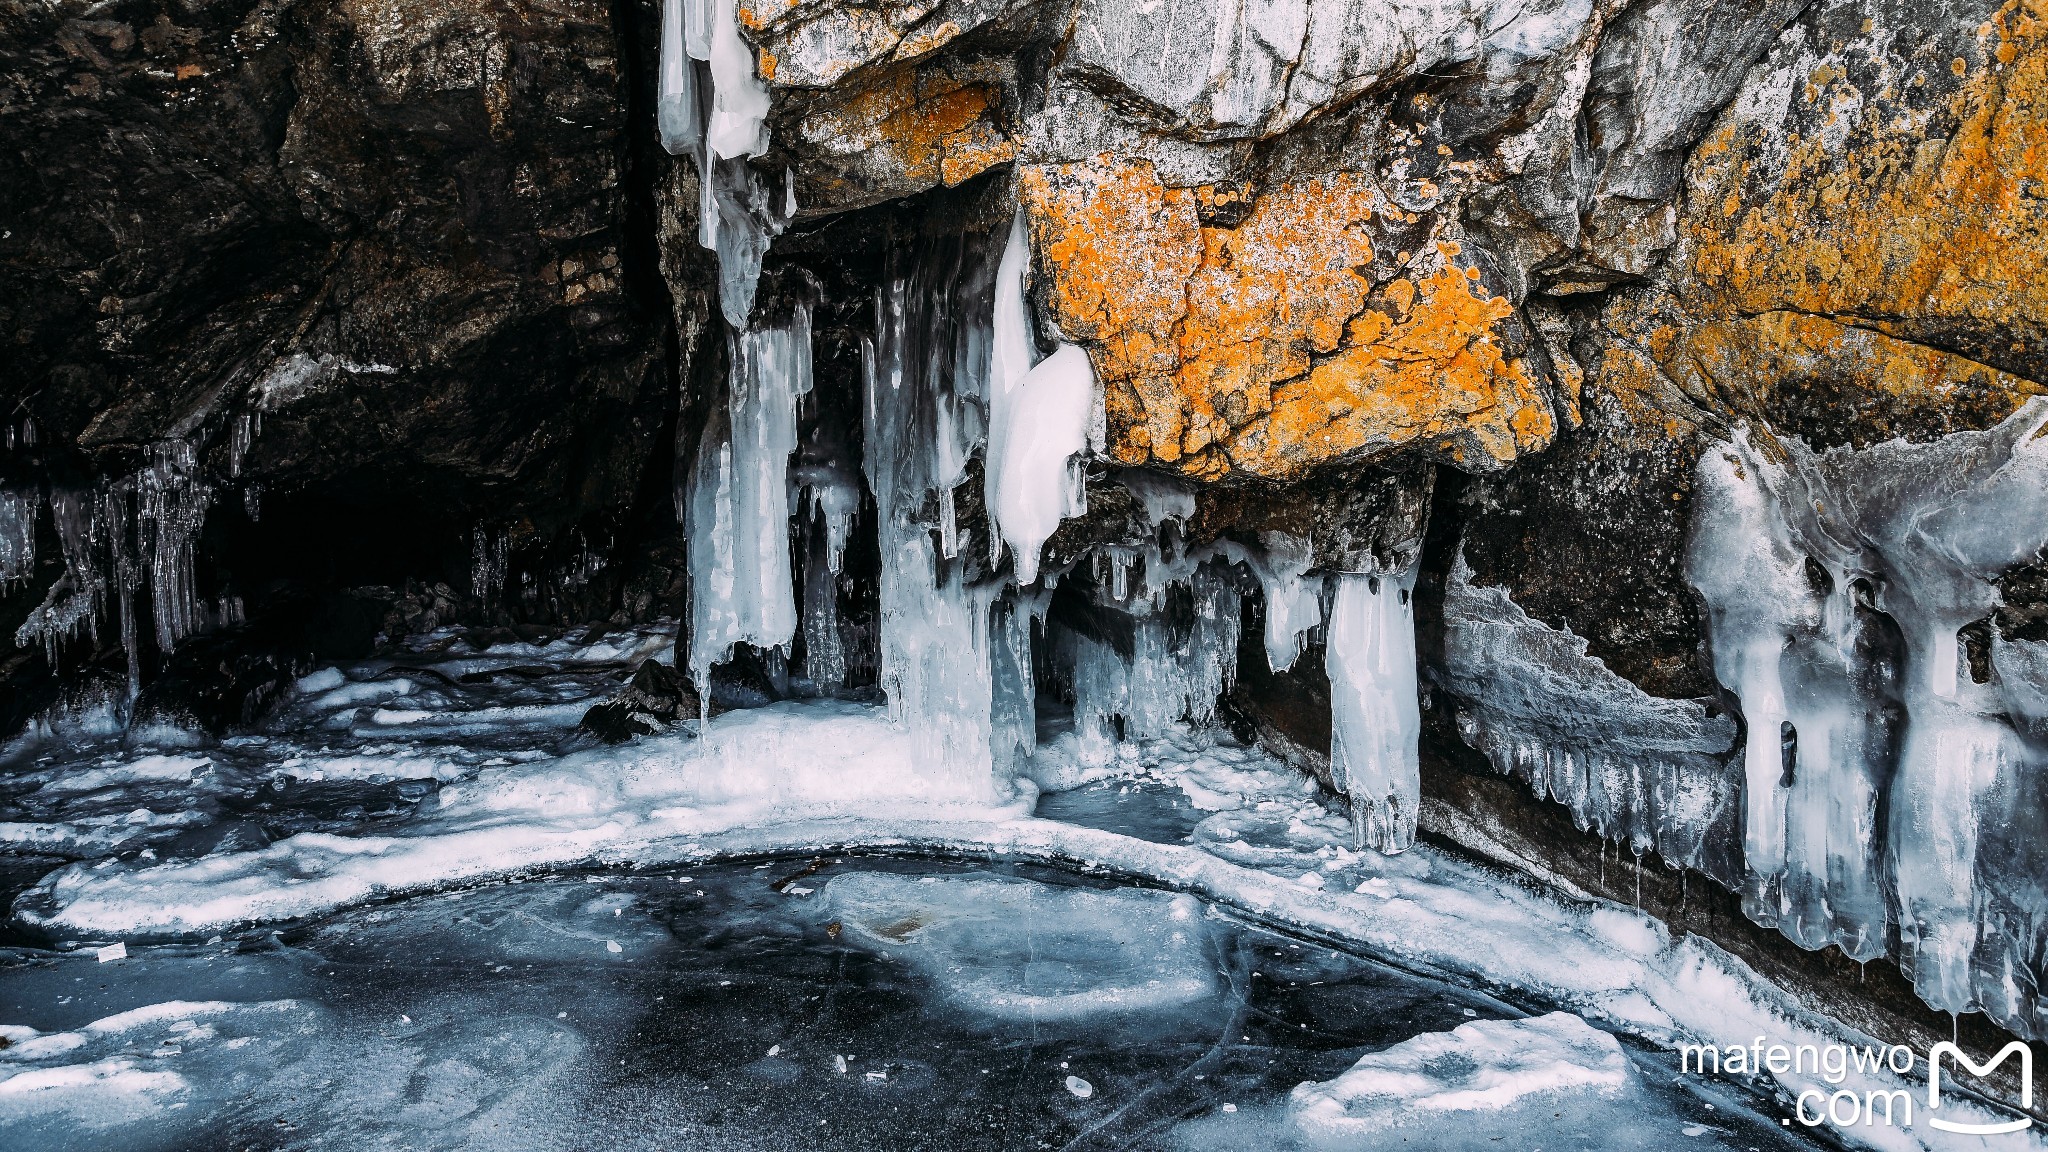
{"x":1319,"y":575}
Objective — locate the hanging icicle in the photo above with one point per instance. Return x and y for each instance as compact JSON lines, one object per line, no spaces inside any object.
{"x":1375,"y":717}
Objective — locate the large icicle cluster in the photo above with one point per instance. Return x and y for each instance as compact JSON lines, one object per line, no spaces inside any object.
{"x":739,"y":499}
{"x":132,"y":534}
{"x":1138,"y":630}
{"x":1633,"y":767}
{"x":713,"y":107}
{"x":1837,"y":584}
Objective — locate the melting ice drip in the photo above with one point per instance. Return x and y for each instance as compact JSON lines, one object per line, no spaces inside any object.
{"x":1837,"y":583}
{"x":718,"y":116}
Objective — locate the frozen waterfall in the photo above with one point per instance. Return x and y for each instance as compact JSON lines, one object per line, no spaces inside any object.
{"x":1839,"y":585}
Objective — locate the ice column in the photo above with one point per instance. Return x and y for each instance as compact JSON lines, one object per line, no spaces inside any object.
{"x":924,"y":376}
{"x":17,"y":535}
{"x":1038,"y":423}
{"x":740,"y":584}
{"x":1375,"y":714}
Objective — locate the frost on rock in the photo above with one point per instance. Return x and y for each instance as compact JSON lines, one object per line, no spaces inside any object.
{"x":1837,"y":585}
{"x":1038,"y":422}
{"x":1472,"y":1086}
{"x":1630,"y":766}
{"x":1018,"y":950}
{"x":1375,"y":712}
{"x":738,"y":503}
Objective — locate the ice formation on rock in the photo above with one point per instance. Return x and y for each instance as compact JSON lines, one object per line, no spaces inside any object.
{"x":1633,"y":767}
{"x":1294,"y":604}
{"x":739,"y":513}
{"x":1038,"y":422}
{"x":17,"y":535}
{"x":1837,"y":584}
{"x":1375,"y":712}
{"x":718,"y":116}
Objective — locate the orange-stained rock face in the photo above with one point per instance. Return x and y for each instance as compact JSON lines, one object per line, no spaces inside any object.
{"x":1269,"y":348}
{"x":916,"y":128}
{"x":1929,"y":224}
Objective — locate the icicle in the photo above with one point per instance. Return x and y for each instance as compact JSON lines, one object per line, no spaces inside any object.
{"x":921,"y":370}
{"x":17,"y":535}
{"x":1293,"y":602}
{"x":741,"y":588}
{"x":1375,"y":716}
{"x":677,"y":114}
{"x":487,"y":564}
{"x":1038,"y":421}
{"x":739,"y":105}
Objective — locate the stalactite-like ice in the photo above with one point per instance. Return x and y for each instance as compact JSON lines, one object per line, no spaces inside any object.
{"x":925,"y":372}
{"x":17,"y":535}
{"x":1375,"y":714}
{"x":1294,"y":603}
{"x":741,"y":589}
{"x":718,"y":117}
{"x":1836,"y":584}
{"x":1633,"y":767}
{"x":1038,"y":422}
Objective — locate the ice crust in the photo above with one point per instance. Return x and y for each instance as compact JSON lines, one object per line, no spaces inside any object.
{"x":1836,"y":585}
{"x":1024,"y":951}
{"x":1469,"y":1087}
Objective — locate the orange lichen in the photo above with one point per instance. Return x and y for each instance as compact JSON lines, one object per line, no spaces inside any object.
{"x":1926,"y":238}
{"x":1266,"y":348}
{"x":924,"y":126}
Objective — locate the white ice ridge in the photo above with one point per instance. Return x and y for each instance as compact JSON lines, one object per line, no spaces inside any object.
{"x":1375,"y":711}
{"x":1449,"y":1088}
{"x":1038,"y":422}
{"x":738,"y":505}
{"x":772,"y":791}
{"x":1837,"y":583}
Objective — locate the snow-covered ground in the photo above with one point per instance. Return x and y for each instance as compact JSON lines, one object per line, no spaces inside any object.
{"x":458,"y":767}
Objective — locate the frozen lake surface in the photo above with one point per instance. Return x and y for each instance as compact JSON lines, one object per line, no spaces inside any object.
{"x":715,"y":1009}
{"x":416,"y":908}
